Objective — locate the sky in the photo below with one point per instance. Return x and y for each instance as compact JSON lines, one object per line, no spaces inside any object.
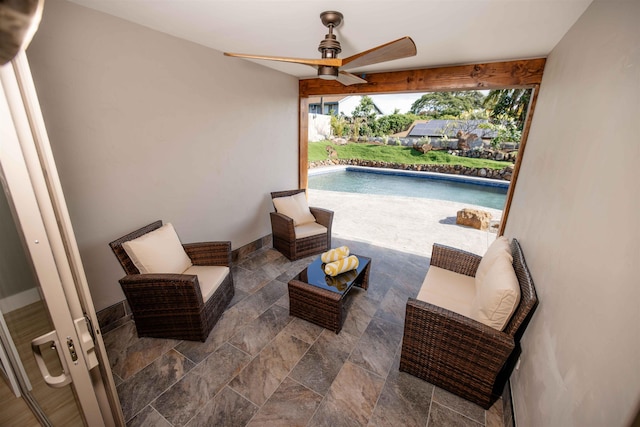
{"x":402,"y":101}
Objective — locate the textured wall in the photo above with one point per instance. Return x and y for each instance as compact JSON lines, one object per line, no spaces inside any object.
{"x":146,"y":126}
{"x":579,"y":228}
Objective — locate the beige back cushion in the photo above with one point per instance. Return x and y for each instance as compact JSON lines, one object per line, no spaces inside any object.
{"x":295,"y":207}
{"x":158,"y":251}
{"x":497,"y":294}
{"x":499,"y":248}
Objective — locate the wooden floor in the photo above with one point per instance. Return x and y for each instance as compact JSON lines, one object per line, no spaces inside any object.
{"x":59,"y":405}
{"x":15,"y":411}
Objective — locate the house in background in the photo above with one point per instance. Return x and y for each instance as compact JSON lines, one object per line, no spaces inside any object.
{"x":326,"y":105}
{"x":321,"y":107}
{"x":338,"y":105}
{"x":145,"y":125}
{"x":449,"y":129}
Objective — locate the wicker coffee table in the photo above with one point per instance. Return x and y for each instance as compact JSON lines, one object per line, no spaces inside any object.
{"x":318,"y":298}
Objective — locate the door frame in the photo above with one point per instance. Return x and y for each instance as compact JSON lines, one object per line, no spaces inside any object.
{"x":38,"y":202}
{"x":519,"y":74}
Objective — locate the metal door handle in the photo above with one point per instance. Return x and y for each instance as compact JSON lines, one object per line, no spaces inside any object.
{"x":54,"y":381}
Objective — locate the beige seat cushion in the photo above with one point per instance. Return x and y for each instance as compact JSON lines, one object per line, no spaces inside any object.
{"x":209,"y":277}
{"x":295,"y":207}
{"x":309,"y":229}
{"x":158,"y":251}
{"x":449,"y":290}
{"x":497,"y":294}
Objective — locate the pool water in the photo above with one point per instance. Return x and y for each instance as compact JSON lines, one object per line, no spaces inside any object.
{"x":409,"y":186}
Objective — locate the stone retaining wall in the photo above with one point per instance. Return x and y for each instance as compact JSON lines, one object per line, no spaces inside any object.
{"x":437,"y":143}
{"x":498,"y":155}
{"x":504,"y":174}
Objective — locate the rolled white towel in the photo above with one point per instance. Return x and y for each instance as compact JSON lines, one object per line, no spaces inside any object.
{"x":340,"y":266}
{"x":335,"y":254}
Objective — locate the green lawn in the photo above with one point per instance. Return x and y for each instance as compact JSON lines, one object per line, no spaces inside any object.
{"x":397,"y":154}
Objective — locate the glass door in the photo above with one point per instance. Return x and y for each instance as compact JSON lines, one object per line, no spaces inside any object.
{"x":52,"y":354}
{"x":24,"y":318}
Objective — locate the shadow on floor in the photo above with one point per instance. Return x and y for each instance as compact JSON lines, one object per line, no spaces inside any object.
{"x":451,"y":220}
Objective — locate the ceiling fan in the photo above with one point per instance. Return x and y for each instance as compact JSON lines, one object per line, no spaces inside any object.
{"x":330,"y":67}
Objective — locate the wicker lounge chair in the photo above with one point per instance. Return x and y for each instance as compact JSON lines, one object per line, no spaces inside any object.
{"x":284,"y":230}
{"x":172,"y":305}
{"x":459,"y":354}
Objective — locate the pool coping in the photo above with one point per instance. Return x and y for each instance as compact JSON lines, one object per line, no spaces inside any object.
{"x":487,"y":182}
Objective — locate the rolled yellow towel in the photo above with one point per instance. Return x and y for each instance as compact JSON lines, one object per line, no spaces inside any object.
{"x":340,"y":266}
{"x":340,"y":281}
{"x":335,"y":254}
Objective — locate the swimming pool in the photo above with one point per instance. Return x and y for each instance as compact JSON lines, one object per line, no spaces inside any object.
{"x":481,"y":192}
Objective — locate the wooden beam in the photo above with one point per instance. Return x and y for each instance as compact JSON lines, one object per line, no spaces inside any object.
{"x":516,"y":169}
{"x":303,"y":145}
{"x":493,"y":75}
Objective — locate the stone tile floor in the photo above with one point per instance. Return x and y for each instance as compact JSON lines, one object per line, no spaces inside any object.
{"x":262,"y":367}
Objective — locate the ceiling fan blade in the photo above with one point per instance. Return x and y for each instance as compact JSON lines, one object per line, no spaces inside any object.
{"x":349,"y":79}
{"x":397,"y":49}
{"x":331,"y":62}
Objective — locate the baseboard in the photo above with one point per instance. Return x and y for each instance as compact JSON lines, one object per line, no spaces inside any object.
{"x":507,"y":407}
{"x":246,"y":250}
{"x":119,"y":313}
{"x":19,"y":300}
{"x":113,"y":316}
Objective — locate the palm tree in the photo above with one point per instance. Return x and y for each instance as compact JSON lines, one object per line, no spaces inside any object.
{"x":512,"y":102}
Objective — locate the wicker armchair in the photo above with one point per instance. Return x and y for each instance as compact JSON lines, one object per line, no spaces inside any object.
{"x":172,"y":305}
{"x":459,"y":354}
{"x":284,"y":231}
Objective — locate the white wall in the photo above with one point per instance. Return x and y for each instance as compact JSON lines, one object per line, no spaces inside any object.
{"x":319,"y":127}
{"x":575,"y":211}
{"x":17,"y":282}
{"x":146,"y":126}
{"x":348,"y":104}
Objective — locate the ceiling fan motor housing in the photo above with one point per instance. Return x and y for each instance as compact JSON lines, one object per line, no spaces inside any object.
{"x":327,"y":73}
{"x":330,"y":46}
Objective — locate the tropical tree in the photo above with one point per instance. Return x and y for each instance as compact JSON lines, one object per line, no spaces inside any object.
{"x":364,"y":117}
{"x":513,"y":103}
{"x":394,"y":123}
{"x":338,"y":124}
{"x":441,"y":105}
{"x":469,"y":122}
{"x":506,"y":129}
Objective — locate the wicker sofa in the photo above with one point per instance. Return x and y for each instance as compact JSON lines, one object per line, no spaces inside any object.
{"x":299,"y":241}
{"x":172,"y":305}
{"x":456,"y":352}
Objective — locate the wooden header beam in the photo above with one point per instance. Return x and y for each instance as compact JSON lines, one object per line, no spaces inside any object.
{"x":493,"y":75}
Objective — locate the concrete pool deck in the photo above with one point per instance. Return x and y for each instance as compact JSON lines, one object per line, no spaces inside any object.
{"x":404,"y":224}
